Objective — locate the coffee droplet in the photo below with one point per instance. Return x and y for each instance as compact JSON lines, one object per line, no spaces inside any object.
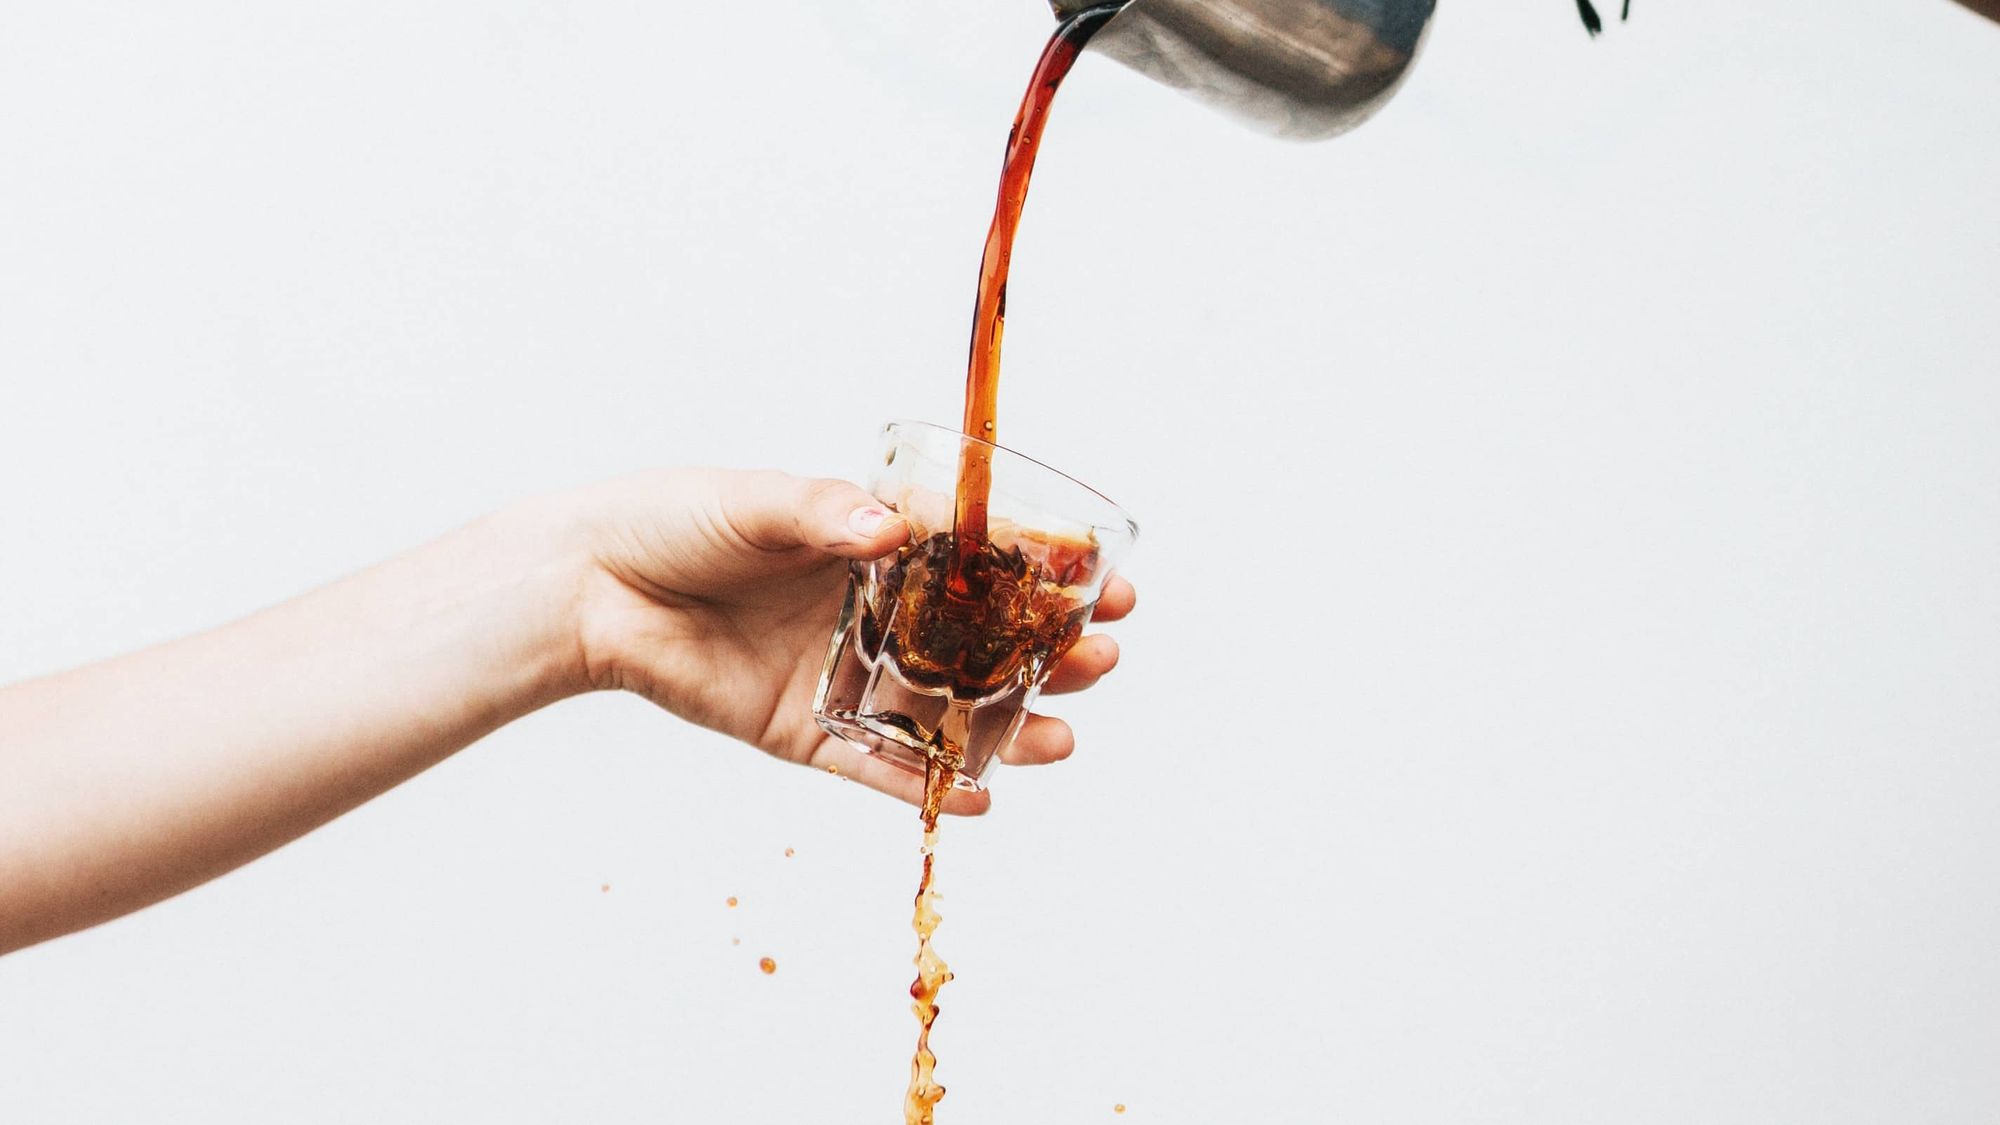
{"x":834,"y":770}
{"x":736,"y":941}
{"x":605,"y":889}
{"x":789,"y":853}
{"x":1119,"y":1108}
{"x":769,"y":966}
{"x":732,"y":900}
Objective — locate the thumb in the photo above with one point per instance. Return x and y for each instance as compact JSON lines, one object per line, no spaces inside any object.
{"x":776,"y":511}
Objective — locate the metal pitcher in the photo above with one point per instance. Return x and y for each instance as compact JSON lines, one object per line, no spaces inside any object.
{"x":1304,"y":69}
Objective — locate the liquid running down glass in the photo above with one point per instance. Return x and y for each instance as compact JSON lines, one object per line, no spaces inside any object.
{"x":937,"y":675}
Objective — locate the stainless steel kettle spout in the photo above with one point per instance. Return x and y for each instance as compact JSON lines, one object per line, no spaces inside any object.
{"x":1304,"y":69}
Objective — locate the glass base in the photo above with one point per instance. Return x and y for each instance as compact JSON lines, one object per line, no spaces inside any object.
{"x":871,"y":735}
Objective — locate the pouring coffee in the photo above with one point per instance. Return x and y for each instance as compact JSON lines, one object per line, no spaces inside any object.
{"x":1305,"y":69}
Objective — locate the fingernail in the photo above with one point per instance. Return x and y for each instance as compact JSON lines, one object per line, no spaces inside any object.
{"x":867,"y":522}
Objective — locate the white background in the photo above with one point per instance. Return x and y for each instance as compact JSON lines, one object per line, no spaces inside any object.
{"x":1567,"y":680}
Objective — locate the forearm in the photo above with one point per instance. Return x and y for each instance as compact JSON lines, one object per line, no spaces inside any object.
{"x":126,"y":782}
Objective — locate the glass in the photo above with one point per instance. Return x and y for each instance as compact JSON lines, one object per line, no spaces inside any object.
{"x":940,"y":657}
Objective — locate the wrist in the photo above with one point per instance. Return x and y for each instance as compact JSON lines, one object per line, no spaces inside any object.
{"x":524,"y":571}
{"x":596,"y":540}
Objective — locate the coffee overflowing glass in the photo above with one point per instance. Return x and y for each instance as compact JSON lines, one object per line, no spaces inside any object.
{"x":941,"y":648}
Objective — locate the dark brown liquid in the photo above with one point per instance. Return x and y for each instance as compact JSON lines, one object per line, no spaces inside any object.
{"x":989,"y":313}
{"x":919,"y":670}
{"x":1010,"y":612}
{"x":971,"y":612}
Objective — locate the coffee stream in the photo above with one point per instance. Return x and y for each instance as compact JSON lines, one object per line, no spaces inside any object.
{"x":989,"y":313}
{"x":920,"y":1102}
{"x":974,"y":560}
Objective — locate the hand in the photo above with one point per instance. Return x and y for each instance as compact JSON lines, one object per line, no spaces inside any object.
{"x":714,"y":594}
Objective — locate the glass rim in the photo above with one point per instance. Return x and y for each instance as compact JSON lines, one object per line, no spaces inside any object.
{"x":1128,"y":525}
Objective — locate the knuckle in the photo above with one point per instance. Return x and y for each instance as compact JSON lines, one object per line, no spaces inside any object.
{"x":823,"y":491}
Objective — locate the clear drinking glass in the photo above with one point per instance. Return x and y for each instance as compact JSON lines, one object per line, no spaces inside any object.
{"x":939,"y":651}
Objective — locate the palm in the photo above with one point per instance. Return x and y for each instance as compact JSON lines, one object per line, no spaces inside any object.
{"x":743,"y":661}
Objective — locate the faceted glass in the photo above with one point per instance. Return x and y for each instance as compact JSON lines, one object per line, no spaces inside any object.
{"x":942,"y":647}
